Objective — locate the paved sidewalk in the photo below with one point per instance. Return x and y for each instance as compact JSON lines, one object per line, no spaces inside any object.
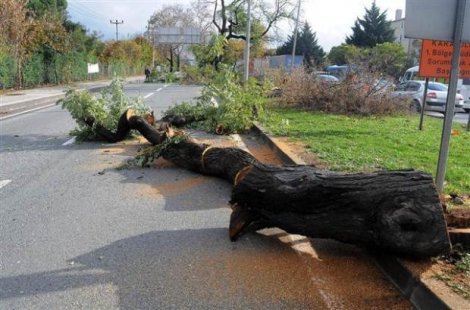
{"x":17,"y":102}
{"x":25,"y":95}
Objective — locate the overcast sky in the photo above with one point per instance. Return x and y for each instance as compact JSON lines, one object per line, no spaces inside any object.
{"x":330,"y":19}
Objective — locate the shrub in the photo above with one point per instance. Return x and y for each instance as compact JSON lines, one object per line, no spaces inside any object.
{"x":33,"y":71}
{"x":198,"y":75}
{"x":238,"y":105}
{"x":7,"y":70}
{"x":358,"y":93}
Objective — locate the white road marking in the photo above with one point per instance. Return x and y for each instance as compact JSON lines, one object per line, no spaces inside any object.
{"x":27,"y":111}
{"x":162,"y":87}
{"x":4,"y":183}
{"x":69,"y":142}
{"x":148,"y":95}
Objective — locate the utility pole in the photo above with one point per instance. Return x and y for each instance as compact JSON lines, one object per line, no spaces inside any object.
{"x":295,"y":35}
{"x":247,"y":44}
{"x":117,"y":23}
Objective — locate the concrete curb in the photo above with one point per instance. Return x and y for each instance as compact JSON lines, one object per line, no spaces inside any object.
{"x":420,"y":296}
{"x":283,"y":154}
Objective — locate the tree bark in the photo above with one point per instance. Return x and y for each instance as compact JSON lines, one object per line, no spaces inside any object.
{"x":126,"y":123}
{"x":395,"y":211}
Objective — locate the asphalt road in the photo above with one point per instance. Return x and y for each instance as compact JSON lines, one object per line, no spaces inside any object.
{"x":77,"y":232}
{"x":460,"y":117}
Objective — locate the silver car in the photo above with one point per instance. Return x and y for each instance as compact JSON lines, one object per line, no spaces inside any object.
{"x":435,"y":99}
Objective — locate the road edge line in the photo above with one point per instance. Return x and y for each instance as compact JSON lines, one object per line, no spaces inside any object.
{"x":27,"y":111}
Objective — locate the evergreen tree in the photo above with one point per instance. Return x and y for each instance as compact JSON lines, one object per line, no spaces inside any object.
{"x":373,"y":29}
{"x":307,"y":46}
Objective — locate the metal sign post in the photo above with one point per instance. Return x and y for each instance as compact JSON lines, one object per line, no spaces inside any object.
{"x":468,"y":122}
{"x":423,"y":106}
{"x":451,"y":93}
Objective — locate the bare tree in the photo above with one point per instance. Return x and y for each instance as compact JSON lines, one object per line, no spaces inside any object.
{"x":229,"y":16}
{"x":197,"y":15}
{"x":177,"y":16}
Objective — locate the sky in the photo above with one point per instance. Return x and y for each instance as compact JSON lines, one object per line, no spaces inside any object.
{"x":330,"y":19}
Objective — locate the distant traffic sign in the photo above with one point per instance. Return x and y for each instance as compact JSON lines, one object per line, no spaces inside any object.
{"x":436,"y":58}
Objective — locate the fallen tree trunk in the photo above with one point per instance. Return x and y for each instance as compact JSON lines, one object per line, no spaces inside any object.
{"x":395,"y":211}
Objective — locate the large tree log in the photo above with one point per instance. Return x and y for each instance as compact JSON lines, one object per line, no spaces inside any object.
{"x":396,"y":211}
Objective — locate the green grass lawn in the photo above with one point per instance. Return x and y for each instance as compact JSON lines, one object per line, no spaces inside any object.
{"x":350,"y":143}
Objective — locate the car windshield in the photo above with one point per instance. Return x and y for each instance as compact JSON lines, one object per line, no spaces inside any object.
{"x":437,"y":87}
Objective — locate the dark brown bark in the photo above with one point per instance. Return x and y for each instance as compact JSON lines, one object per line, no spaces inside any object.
{"x":396,"y":211}
{"x":126,"y":123}
{"x":225,"y":163}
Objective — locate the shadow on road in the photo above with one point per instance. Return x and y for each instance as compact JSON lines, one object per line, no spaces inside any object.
{"x":184,"y":269}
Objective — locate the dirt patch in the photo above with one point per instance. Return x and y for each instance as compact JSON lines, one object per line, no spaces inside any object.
{"x":264,"y":154}
{"x":172,"y":188}
{"x":458,"y":217}
{"x":301,"y":150}
{"x":161,"y":163}
{"x":96,"y":167}
{"x":276,"y":272}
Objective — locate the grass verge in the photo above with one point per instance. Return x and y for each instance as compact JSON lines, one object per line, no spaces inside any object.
{"x":353,"y":143}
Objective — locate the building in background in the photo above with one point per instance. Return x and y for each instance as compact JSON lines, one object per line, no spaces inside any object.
{"x":412,"y":46}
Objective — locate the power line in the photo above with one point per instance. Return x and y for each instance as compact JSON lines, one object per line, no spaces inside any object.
{"x":81,"y":11}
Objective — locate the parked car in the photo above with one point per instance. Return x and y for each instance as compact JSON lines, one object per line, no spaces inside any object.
{"x":466,"y":105}
{"x":383,"y":86}
{"x":327,"y":78}
{"x":463,"y":85}
{"x":435,"y":99}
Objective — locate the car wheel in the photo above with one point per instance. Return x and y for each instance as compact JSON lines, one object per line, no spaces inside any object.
{"x":415,"y":106}
{"x":467,"y":110}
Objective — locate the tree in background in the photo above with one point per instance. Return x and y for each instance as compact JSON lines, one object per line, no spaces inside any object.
{"x":229,"y":17}
{"x":126,"y":57}
{"x":344,"y":54}
{"x":42,"y":7}
{"x":230,"y":20}
{"x":173,"y":16}
{"x":373,"y":29}
{"x":306,"y":45}
{"x":388,"y":59}
{"x":39,"y":44}
{"x":19,"y":34}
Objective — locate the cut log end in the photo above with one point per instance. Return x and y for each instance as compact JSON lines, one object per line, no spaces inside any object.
{"x":240,"y":219}
{"x":414,"y":228}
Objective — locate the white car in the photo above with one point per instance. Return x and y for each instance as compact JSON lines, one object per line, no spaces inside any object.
{"x":435,"y":99}
{"x":466,"y":105}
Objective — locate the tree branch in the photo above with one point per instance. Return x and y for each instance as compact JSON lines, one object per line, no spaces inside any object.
{"x":214,"y":21}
